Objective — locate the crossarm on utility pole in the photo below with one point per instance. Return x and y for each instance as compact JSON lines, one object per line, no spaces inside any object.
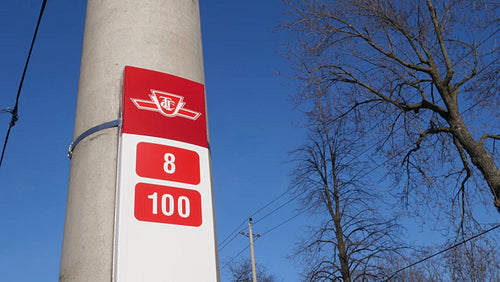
{"x":252,"y":255}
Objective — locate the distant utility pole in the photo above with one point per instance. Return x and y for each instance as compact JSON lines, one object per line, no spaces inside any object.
{"x":252,"y":255}
{"x":164,"y":36}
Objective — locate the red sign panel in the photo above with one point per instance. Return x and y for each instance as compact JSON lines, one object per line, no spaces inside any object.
{"x":168,"y":163}
{"x":163,"y":105}
{"x":163,"y":204}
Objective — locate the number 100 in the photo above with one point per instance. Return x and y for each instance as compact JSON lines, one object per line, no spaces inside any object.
{"x":168,"y":205}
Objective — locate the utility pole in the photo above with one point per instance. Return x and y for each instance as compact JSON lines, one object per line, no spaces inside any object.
{"x":160,"y":35}
{"x":252,"y":255}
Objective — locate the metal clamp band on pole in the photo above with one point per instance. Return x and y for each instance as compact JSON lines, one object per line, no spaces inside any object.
{"x":109,"y":124}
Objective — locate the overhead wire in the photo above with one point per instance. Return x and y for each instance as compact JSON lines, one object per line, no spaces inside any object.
{"x":234,"y":257}
{"x":234,"y":233}
{"x":444,"y":250}
{"x":14,"y":111}
{"x":284,"y":222}
{"x":229,"y":238}
{"x":280,"y":207}
{"x":262,"y":234}
{"x":269,"y":203}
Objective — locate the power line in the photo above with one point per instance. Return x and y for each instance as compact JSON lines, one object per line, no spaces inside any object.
{"x":266,"y":232}
{"x":234,"y":233}
{"x":14,"y":111}
{"x":234,"y":257}
{"x":281,"y":206}
{"x":270,"y":202}
{"x":444,"y":250}
{"x":232,"y":236}
{"x":284,"y":222}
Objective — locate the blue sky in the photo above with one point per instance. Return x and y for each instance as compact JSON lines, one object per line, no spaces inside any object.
{"x":251,"y":123}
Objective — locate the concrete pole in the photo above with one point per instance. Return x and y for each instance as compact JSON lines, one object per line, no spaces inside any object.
{"x":252,"y":255}
{"x":160,"y":35}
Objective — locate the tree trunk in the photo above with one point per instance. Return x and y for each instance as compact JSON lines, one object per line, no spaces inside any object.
{"x":339,"y":233}
{"x":344,"y":261}
{"x":479,"y":157}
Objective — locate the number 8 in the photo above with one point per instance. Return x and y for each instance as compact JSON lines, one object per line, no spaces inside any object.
{"x":169,"y":165}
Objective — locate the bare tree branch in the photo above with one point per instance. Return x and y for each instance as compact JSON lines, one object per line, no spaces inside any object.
{"x":421,"y":138}
{"x":379,"y":60}
{"x":485,"y":136}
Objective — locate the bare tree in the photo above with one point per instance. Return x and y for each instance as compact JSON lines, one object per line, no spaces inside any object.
{"x":354,"y":237}
{"x":422,"y":75}
{"x":241,"y":271}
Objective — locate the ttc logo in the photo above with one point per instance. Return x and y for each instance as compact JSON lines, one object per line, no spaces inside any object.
{"x":167,"y":104}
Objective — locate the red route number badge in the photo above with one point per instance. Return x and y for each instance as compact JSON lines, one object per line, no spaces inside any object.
{"x":163,"y":204}
{"x":168,"y":163}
